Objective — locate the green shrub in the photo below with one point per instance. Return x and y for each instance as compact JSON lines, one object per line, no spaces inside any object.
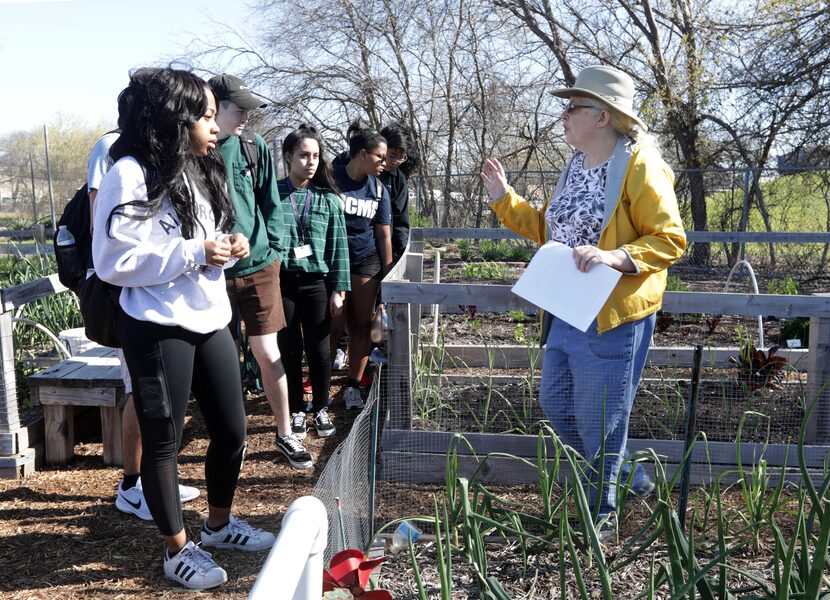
{"x":416,"y":219}
{"x":465,"y":249}
{"x":797,"y":329}
{"x":517,"y":316}
{"x":485,"y":270}
{"x":784,"y":286}
{"x":498,"y":250}
{"x":675,"y":284}
{"x":505,"y":250}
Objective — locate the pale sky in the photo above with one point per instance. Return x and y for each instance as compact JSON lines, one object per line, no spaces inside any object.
{"x":74,"y":56}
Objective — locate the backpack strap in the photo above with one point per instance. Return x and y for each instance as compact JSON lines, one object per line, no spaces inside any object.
{"x":378,"y":188}
{"x":250,"y":149}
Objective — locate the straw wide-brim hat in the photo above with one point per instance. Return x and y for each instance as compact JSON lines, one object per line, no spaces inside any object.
{"x":608,"y":85}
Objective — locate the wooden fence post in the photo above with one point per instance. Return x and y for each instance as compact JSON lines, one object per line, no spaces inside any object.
{"x":16,"y":458}
{"x":818,"y":361}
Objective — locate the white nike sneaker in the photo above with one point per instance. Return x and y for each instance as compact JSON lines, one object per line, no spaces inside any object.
{"x":132,"y":501}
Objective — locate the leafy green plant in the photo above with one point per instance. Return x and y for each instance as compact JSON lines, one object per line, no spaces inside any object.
{"x":484,"y":270}
{"x":519,"y":333}
{"x":465,"y":249}
{"x":797,"y":329}
{"x":494,"y":250}
{"x":416,"y":219}
{"x":517,"y":316}
{"x":675,"y":284}
{"x":786,"y":286}
{"x":505,"y":250}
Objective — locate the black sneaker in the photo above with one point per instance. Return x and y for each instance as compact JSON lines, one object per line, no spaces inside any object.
{"x":298,"y":428}
{"x":323,"y":424}
{"x":293,"y":449}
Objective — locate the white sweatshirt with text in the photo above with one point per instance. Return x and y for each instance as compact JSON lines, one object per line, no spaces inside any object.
{"x":165,"y":277}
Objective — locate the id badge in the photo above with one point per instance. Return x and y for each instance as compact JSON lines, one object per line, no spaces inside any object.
{"x":303,"y":251}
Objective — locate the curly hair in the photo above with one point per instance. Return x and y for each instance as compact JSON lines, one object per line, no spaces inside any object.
{"x":160,"y":106}
{"x":323,"y":176}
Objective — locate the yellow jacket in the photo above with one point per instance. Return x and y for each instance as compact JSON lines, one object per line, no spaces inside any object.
{"x":641,"y":217}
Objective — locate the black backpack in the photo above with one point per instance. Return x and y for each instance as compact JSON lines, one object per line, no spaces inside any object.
{"x":98,"y":300}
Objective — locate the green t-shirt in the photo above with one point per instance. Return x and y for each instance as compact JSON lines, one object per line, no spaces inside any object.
{"x":250,"y":202}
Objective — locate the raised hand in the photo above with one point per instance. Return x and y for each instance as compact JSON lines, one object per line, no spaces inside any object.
{"x":492,"y":174}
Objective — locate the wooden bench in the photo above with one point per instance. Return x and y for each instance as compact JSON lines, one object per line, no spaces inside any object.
{"x":92,"y":378}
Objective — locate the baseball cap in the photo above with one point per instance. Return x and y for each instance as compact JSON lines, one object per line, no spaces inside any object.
{"x":229,"y":87}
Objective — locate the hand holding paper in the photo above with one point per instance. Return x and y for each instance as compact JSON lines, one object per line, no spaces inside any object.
{"x":553,"y":282}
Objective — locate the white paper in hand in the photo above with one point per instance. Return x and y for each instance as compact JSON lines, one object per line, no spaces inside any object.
{"x":552,"y":282}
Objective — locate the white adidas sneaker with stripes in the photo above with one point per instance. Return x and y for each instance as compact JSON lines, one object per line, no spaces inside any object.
{"x":194,"y":568}
{"x":239,"y":535}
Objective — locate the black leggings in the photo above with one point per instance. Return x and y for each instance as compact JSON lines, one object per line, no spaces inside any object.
{"x":305,"y":301}
{"x":165,"y":362}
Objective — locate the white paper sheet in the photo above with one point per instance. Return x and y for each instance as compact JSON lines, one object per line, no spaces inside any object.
{"x":552,"y":282}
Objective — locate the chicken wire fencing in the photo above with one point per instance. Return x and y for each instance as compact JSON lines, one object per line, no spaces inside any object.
{"x":469,"y":383}
{"x":710,"y":200}
{"x":349,"y":477}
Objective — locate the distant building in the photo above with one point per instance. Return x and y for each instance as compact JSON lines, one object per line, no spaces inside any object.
{"x":817,"y":156}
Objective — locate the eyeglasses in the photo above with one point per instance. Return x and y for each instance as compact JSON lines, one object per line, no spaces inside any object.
{"x":382,"y":158}
{"x":570,"y":108}
{"x":397,"y":159}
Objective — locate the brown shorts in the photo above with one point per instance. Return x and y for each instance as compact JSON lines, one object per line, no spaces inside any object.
{"x":258,"y":299}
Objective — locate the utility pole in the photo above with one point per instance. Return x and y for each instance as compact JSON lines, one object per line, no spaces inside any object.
{"x":34,"y":197}
{"x":49,"y":176}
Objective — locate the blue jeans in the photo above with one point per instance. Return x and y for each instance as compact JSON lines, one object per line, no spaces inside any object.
{"x":580,"y":371}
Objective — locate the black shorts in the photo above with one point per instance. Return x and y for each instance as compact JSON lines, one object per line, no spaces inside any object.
{"x":368,"y":266}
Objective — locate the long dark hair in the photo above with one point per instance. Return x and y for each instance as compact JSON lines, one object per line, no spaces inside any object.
{"x":362,"y":138}
{"x":160,"y":107}
{"x":322,"y":177}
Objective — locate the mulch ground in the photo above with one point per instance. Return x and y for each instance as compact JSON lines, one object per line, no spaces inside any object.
{"x":62,"y":536}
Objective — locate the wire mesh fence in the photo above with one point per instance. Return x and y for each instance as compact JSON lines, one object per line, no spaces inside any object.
{"x":345,"y":485}
{"x":710,"y":200}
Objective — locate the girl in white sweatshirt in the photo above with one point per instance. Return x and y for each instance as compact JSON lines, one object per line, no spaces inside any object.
{"x":159,"y":217}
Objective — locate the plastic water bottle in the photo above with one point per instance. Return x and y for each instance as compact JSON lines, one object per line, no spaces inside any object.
{"x":402,"y":535}
{"x":64,"y":237}
{"x":71,"y":269}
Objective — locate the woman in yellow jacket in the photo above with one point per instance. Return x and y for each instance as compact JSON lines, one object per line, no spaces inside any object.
{"x":615,"y":205}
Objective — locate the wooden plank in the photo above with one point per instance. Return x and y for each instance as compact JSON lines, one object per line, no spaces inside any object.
{"x":111,"y":435}
{"x":60,"y":433}
{"x":414,"y":272}
{"x":415,"y":468}
{"x":764,"y":237}
{"x":9,"y":412}
{"x":492,"y":297}
{"x":438,"y":442}
{"x":400,"y":366}
{"x":516,"y":356}
{"x":102,"y":395}
{"x":18,"y":466}
{"x":488,"y":297}
{"x":30,"y":291}
{"x":746,"y":304}
{"x":818,"y":427}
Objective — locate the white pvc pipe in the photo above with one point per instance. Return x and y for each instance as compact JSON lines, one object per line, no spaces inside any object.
{"x":748,"y":266}
{"x":294,"y":567}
